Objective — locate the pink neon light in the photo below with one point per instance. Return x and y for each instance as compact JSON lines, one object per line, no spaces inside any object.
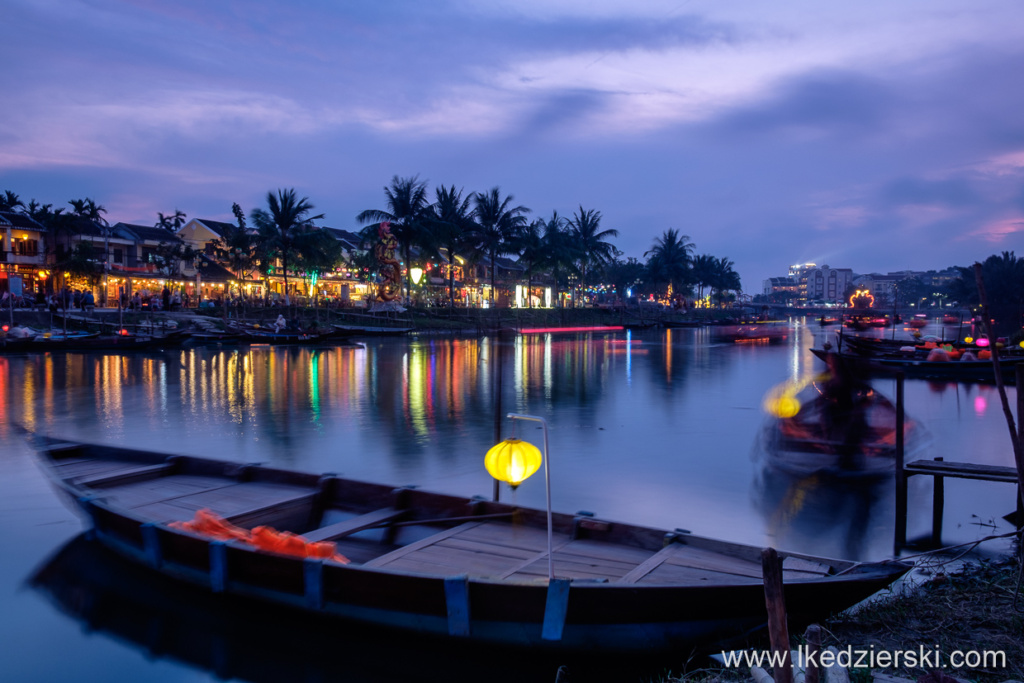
{"x":538,"y":330}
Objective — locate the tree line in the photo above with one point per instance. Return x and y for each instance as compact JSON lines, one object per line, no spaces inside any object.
{"x":574,"y":251}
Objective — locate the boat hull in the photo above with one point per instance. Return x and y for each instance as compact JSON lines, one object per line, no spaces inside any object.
{"x":689,"y":607}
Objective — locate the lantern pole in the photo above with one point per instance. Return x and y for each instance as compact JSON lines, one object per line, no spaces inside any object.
{"x":547,"y":485}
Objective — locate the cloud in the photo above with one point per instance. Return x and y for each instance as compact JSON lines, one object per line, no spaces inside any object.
{"x":951,"y":193}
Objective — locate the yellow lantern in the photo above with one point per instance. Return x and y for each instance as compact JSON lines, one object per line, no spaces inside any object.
{"x":513,"y":461}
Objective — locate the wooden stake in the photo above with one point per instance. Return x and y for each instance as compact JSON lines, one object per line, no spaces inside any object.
{"x":812,"y":674}
{"x":775,"y":602}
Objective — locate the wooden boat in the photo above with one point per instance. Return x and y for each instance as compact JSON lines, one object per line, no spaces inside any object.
{"x":817,"y":441}
{"x":214,"y":337}
{"x":36,"y":339}
{"x":918,"y":366}
{"x":293,"y":338}
{"x":682,"y":324}
{"x":437,"y":564}
{"x":758,"y":333}
{"x":371,"y":331}
{"x":98,"y":342}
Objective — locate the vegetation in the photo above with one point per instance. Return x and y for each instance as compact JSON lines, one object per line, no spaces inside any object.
{"x":285,"y":229}
{"x":475,"y":227}
{"x":976,"y":609}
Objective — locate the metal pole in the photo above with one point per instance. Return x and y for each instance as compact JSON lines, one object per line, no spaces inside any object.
{"x":547,"y":484}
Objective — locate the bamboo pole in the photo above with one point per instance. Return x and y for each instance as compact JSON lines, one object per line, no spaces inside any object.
{"x":1018,"y":454}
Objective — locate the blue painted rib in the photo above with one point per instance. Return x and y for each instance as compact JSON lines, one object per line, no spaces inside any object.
{"x":151,"y":545}
{"x":313,"y":576}
{"x":218,"y":566}
{"x":456,"y":595}
{"x":555,"y":609}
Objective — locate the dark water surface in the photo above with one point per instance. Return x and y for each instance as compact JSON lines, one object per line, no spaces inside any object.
{"x":656,"y":428}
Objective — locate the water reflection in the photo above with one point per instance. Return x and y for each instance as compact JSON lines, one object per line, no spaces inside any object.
{"x":242,"y":639}
{"x":652,"y":427}
{"x":837,"y":517}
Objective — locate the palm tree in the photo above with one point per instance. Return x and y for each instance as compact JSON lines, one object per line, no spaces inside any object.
{"x":316,"y":252}
{"x":497,"y":223}
{"x":725,"y":278}
{"x":88,"y":209}
{"x":702,"y":272}
{"x":239,"y":247}
{"x":590,"y":242}
{"x":560,"y":250}
{"x":668,"y":260}
{"x":171,"y":222}
{"x":11,"y":202}
{"x":532,"y":253}
{"x":407,"y":213}
{"x":287,"y":220}
{"x":450,"y":221}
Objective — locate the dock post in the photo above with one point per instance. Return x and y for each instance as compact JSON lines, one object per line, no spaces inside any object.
{"x":1019,"y":376}
{"x":775,"y":602}
{"x":938,"y":502}
{"x":901,"y":475}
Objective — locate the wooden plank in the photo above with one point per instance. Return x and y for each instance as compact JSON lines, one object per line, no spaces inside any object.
{"x":483,"y":547}
{"x":510,"y":535}
{"x":700,"y":558}
{"x":649,"y":565}
{"x":675,"y":575}
{"x":798,"y":565}
{"x":535,"y":557}
{"x":422,"y":543}
{"x":610,"y":552}
{"x":122,"y":476}
{"x":456,"y":561}
{"x":353,"y":525}
{"x":79,"y":468}
{"x":963,"y":470}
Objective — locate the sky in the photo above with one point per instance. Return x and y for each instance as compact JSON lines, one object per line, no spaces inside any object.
{"x":876,"y":135}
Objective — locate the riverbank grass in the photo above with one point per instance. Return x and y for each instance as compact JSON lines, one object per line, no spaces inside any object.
{"x":977,"y":610}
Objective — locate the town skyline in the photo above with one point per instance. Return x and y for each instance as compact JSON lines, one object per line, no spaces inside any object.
{"x":876,"y":133}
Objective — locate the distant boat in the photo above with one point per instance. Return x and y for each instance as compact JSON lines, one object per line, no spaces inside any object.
{"x":372,"y":331}
{"x":762,"y":333}
{"x":918,"y":366}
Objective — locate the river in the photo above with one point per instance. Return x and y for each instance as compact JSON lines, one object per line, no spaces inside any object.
{"x":654,"y":427}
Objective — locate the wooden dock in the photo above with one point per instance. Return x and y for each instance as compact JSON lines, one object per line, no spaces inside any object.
{"x":940,"y":469}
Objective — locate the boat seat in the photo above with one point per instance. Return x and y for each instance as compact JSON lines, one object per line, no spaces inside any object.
{"x":123,"y":476}
{"x":347,"y":527}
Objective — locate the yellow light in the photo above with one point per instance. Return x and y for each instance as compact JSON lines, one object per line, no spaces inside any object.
{"x":784,"y":406}
{"x":513,"y":461}
{"x":417,"y":274}
{"x":968,"y":339}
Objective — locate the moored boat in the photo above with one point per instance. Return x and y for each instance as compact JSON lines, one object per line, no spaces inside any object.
{"x":474,"y":570}
{"x":918,"y":366}
{"x":851,"y":439}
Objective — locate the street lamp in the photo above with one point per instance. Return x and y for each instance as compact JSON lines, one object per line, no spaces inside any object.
{"x":514,"y":460}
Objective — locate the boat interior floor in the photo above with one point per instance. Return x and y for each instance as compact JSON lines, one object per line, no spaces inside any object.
{"x":395,"y":539}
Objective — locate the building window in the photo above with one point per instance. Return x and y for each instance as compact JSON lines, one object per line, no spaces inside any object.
{"x":26,"y":247}
{"x":118,"y":255}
